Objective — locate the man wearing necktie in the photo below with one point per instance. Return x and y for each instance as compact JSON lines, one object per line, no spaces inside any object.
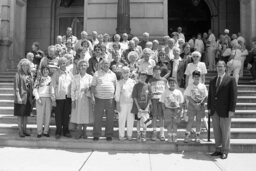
{"x":221,"y":106}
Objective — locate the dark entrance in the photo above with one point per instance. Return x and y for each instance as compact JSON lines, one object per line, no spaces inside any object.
{"x":192,"y":16}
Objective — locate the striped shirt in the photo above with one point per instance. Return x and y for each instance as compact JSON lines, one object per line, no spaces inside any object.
{"x":105,"y":84}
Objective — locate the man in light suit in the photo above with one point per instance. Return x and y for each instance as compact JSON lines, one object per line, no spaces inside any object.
{"x":221,"y":106}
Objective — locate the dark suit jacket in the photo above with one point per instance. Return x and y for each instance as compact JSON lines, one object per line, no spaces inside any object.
{"x":180,"y":73}
{"x":224,"y":99}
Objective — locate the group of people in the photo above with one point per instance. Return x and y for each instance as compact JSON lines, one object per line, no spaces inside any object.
{"x":152,"y":83}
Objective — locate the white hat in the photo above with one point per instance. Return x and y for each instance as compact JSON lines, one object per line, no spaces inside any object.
{"x":226,"y":31}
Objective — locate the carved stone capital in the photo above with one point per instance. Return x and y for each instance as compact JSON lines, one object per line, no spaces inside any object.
{"x":5,"y":41}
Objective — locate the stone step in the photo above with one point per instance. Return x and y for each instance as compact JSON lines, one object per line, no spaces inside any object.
{"x":236,"y":133}
{"x":8,"y":79}
{"x":9,"y":90}
{"x":240,"y":106}
{"x":236,"y":122}
{"x":246,"y":99}
{"x":237,"y":145}
{"x":6,"y":85}
{"x":6,"y":97}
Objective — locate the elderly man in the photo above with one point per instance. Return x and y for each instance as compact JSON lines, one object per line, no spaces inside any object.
{"x":181,"y":35}
{"x":145,"y":39}
{"x":51,"y":60}
{"x":169,"y":49}
{"x":221,"y":106}
{"x":103,"y":87}
{"x":84,"y":36}
{"x":94,"y":39}
{"x":69,"y":37}
{"x":124,"y":43}
{"x":131,"y":47}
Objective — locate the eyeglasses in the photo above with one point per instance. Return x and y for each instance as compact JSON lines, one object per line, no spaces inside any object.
{"x":196,"y":56}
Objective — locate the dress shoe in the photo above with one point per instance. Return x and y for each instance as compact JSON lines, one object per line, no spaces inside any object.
{"x":57,"y":136}
{"x":68,"y":135}
{"x":224,"y":156}
{"x":39,"y":135}
{"x":216,"y":153}
{"x":21,"y":135}
{"x":26,"y":134}
{"x":46,"y":135}
{"x":109,"y":138}
{"x":95,"y":138}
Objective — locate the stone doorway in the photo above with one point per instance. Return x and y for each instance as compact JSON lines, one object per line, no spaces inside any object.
{"x":193,"y":17}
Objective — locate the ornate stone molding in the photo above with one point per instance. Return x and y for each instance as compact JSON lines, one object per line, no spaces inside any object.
{"x":5,"y":42}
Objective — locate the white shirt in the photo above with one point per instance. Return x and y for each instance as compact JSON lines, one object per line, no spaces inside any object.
{"x":221,"y":78}
{"x":200,"y":66}
{"x":146,"y":67}
{"x":199,"y":45}
{"x":175,"y":67}
{"x":172,"y":99}
{"x":196,"y":92}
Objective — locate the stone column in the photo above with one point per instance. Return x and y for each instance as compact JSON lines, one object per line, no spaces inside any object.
{"x":123,"y":17}
{"x":5,"y":38}
{"x":247,"y":19}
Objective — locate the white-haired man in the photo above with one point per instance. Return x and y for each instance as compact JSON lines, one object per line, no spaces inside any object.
{"x":145,"y":39}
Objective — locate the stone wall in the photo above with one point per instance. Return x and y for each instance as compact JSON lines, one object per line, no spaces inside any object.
{"x":38,"y":23}
{"x":146,"y":15}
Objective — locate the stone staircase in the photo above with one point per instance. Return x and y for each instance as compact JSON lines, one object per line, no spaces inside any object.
{"x":243,"y":128}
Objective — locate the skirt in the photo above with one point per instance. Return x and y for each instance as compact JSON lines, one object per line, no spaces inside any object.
{"x":22,"y":109}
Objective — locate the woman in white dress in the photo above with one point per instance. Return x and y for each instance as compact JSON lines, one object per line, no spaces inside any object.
{"x":82,"y":99}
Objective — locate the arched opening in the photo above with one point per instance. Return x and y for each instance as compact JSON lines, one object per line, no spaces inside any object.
{"x":193,"y":16}
{"x":67,"y":13}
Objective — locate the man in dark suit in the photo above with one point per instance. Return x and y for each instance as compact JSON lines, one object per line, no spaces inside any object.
{"x":221,"y":106}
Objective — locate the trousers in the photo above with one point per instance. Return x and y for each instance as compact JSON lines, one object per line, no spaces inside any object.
{"x":43,"y":116}
{"x":125,"y":116}
{"x":221,"y":130}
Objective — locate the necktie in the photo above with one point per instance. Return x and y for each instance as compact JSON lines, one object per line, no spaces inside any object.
{"x":218,"y":83}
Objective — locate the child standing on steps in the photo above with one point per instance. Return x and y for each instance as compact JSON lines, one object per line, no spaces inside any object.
{"x":158,"y":85}
{"x":172,"y":100}
{"x":196,"y":94}
{"x":141,"y":101}
{"x":43,"y":93}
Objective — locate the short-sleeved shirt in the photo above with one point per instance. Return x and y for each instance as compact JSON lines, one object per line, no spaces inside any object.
{"x":172,"y":99}
{"x":146,"y":67}
{"x":191,"y":67}
{"x":157,"y":87}
{"x":105,"y":83}
{"x":196,"y":92}
{"x":141,"y":91}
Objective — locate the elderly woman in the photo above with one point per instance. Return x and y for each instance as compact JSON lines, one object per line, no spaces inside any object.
{"x":145,"y":64}
{"x":95,"y":60}
{"x":243,"y":56}
{"x":132,"y":58}
{"x":196,"y":65}
{"x":23,"y":87}
{"x":81,"y":99}
{"x":38,"y":54}
{"x":163,"y":63}
{"x":235,"y":62}
{"x":86,"y":54}
{"x":61,"y":82}
{"x":138,"y":48}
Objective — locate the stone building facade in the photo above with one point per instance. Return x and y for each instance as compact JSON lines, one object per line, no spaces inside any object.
{"x":25,"y":21}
